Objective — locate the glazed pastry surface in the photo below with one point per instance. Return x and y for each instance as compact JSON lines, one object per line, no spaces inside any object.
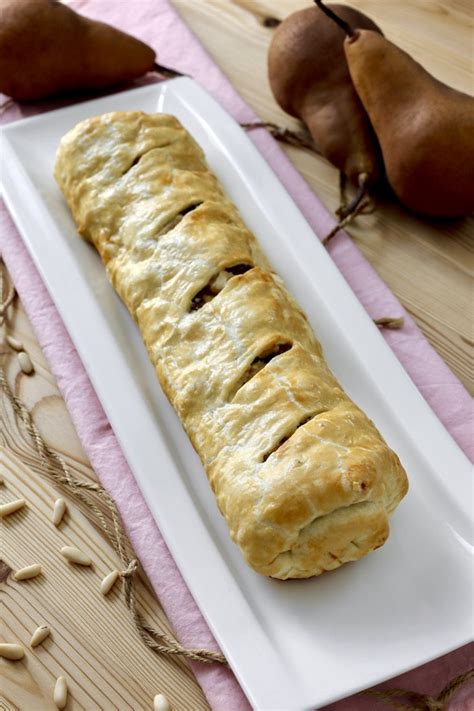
{"x":302,"y":476}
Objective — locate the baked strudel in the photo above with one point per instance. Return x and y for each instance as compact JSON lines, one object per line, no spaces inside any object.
{"x":302,"y":476}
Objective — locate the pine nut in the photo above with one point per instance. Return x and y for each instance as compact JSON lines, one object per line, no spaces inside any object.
{"x":161,"y":703}
{"x":12,"y":651}
{"x":59,"y":511}
{"x":25,"y":363}
{"x":74,"y":555}
{"x":39,"y":635}
{"x":11,"y":507}
{"x":30,"y":571}
{"x":108,"y":582}
{"x":60,"y":692}
{"x":14,"y":343}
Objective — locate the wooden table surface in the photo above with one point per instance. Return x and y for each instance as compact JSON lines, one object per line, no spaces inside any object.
{"x":428,"y":265}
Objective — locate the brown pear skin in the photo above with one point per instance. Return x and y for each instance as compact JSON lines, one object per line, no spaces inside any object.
{"x":425,"y":128}
{"x":47,"y":49}
{"x":310,"y":79}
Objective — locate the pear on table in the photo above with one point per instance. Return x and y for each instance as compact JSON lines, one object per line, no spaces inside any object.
{"x":310,"y":79}
{"x":425,"y":128}
{"x":47,"y":49}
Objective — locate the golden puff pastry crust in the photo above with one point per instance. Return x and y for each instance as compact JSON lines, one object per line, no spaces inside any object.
{"x":302,"y":476}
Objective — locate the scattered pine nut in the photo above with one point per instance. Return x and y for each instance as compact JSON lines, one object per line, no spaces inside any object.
{"x":11,"y":507}
{"x":30,"y":571}
{"x":74,"y":555}
{"x":15,"y":343}
{"x":25,"y":363}
{"x":161,"y":703}
{"x":108,"y":582}
{"x":59,"y":511}
{"x":12,"y":651}
{"x":39,"y":635}
{"x":60,"y":692}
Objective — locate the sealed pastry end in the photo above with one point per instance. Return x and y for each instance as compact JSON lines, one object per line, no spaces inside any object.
{"x":330,"y":541}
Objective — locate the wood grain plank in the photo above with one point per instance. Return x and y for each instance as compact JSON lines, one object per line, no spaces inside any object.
{"x":428,"y":264}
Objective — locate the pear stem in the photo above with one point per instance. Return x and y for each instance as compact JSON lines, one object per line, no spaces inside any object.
{"x":167,"y":71}
{"x":338,"y":20}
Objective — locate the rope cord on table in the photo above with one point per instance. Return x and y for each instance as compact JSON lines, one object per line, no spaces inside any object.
{"x":160,"y":642}
{"x":421,"y":702}
{"x":298,"y":139}
{"x":362,"y":207}
{"x":85,"y":491}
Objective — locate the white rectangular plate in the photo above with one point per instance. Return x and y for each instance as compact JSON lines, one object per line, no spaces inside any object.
{"x":299,"y":644}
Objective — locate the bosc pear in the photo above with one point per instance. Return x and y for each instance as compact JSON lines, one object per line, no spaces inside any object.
{"x":425,"y":128}
{"x":46,"y":49}
{"x":309,"y":78}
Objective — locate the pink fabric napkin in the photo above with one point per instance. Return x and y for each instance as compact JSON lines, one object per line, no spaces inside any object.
{"x":157,"y":23}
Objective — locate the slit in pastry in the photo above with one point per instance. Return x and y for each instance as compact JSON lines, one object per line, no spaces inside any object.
{"x":262,"y":359}
{"x":133,"y":164}
{"x":138,"y":157}
{"x":290,"y":434}
{"x":216,"y":284}
{"x":171,"y":224}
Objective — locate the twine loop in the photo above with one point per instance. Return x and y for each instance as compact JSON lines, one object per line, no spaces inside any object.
{"x":433,"y":704}
{"x":130,"y":570}
{"x":7,"y":301}
{"x":362,"y":207}
{"x":89,"y":494}
{"x":414,"y":701}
